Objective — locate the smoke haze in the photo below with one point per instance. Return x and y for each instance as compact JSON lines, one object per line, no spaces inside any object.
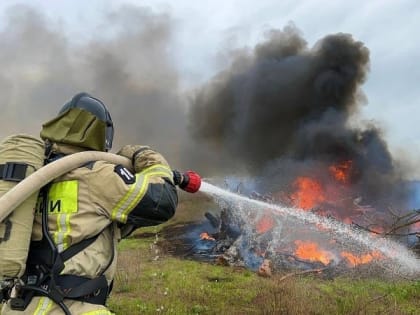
{"x":279,"y":104}
{"x":128,"y":66}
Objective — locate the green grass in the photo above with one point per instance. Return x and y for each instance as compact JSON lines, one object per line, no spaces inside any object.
{"x":175,"y":286}
{"x":149,"y":282}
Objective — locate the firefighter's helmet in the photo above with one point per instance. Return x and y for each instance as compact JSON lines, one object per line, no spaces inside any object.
{"x":83,"y":121}
{"x":96,"y":107}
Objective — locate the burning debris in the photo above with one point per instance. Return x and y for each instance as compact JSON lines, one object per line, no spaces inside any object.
{"x":284,"y":117}
{"x":264,"y":240}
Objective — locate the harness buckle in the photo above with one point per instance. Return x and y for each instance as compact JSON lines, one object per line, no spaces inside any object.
{"x":13,"y":171}
{"x":19,"y":298}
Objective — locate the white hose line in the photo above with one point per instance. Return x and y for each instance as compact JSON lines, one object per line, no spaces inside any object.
{"x":24,"y":189}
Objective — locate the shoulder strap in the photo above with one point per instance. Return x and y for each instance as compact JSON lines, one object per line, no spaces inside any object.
{"x":77,"y":248}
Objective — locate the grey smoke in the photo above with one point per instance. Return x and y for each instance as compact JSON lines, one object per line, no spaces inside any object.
{"x":283,"y":101}
{"x":127,"y":64}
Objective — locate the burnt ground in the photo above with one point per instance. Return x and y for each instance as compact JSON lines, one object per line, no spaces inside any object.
{"x":183,"y":241}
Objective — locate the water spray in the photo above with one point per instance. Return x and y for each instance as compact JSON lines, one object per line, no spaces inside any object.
{"x":403,"y":261}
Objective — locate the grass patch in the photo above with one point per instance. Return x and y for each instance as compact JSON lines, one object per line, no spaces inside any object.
{"x":173,"y":286}
{"x":149,"y":282}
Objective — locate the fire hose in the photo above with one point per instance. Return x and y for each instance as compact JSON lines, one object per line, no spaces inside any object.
{"x":34,"y":182}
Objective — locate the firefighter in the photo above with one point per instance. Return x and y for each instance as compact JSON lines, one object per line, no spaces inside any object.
{"x":82,"y":215}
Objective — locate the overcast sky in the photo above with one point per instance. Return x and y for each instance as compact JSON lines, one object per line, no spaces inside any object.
{"x":205,"y":31}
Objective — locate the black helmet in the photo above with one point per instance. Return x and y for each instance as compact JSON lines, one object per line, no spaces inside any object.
{"x":95,"y":107}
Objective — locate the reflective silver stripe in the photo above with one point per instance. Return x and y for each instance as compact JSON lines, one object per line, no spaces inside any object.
{"x":63,"y":230}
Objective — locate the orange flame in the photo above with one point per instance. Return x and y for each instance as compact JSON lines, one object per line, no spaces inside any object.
{"x":341,"y":171}
{"x":309,"y":193}
{"x":354,"y":260}
{"x":206,"y":236}
{"x":265,"y":224}
{"x":310,"y":251}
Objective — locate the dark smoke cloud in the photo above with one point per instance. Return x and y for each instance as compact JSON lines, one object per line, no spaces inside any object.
{"x":286,"y":105}
{"x":127,"y":64}
{"x":258,"y":109}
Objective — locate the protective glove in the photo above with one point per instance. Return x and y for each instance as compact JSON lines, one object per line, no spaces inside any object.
{"x":141,"y":156}
{"x":189,"y":181}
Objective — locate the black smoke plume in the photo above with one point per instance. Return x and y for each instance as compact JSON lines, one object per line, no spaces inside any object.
{"x":286,"y":105}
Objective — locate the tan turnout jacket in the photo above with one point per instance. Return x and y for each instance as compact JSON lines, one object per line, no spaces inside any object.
{"x":94,"y":199}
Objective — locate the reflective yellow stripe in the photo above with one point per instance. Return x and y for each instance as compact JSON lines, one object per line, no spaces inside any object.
{"x":158,"y":168}
{"x":62,"y":201}
{"x":136,"y":186}
{"x":44,"y":306}
{"x":137,"y":191}
{"x":135,"y":198}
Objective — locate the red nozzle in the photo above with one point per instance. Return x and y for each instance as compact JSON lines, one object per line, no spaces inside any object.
{"x":191,"y":182}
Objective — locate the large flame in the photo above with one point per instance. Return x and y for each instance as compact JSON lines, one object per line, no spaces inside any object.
{"x":329,"y":195}
{"x":309,"y":193}
{"x":310,"y":251}
{"x":354,"y":260}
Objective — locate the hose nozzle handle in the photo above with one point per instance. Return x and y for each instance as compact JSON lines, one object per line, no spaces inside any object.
{"x":189,"y":181}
